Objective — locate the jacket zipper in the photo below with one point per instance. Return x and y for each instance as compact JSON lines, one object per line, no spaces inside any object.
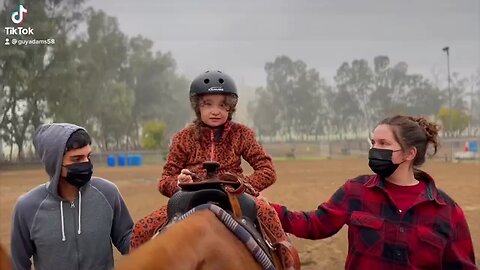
{"x":212,"y":145}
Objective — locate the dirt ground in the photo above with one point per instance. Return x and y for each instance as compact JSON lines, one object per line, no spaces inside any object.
{"x":301,"y":185}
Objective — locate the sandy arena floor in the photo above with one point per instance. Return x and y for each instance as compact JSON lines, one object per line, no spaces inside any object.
{"x":301,"y":185}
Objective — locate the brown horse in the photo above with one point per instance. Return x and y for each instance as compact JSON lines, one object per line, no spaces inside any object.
{"x":5,"y":263}
{"x":201,"y":241}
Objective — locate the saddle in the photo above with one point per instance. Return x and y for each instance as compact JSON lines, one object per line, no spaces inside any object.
{"x":228,"y":192}
{"x":225,"y":191}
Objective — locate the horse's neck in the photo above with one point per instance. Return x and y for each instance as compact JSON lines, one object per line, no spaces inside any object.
{"x":199,"y":242}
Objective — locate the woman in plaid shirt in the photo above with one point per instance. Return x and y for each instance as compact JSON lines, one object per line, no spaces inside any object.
{"x":397,"y":218}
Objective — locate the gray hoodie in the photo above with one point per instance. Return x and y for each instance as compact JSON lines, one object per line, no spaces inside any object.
{"x":60,"y":234}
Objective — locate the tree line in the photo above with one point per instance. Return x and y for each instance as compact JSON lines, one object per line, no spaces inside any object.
{"x":94,"y":75}
{"x":129,"y":96}
{"x":297,"y":103}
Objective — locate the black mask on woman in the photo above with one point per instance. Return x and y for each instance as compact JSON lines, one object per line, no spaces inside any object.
{"x":380,"y":161}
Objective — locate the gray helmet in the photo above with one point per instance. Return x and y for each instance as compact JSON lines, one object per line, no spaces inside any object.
{"x":213,"y":82}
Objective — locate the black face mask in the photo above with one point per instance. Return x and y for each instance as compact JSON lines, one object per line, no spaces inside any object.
{"x":380,"y":161}
{"x":78,"y":174}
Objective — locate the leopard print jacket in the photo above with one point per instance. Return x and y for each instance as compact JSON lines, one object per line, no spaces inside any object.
{"x":195,"y":144}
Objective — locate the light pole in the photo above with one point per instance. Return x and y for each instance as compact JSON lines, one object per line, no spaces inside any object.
{"x":447,"y":50}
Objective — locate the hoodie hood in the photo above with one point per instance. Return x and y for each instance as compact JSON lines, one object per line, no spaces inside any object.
{"x":50,"y":141}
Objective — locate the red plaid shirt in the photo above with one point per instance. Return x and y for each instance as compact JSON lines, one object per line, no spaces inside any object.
{"x":431,"y":234}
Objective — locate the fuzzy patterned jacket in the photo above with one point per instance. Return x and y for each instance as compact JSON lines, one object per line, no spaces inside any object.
{"x":195,"y":144}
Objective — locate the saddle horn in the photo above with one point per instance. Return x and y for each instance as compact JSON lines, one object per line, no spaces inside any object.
{"x":212,"y":169}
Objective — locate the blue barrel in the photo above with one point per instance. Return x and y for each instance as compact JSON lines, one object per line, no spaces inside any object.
{"x":130,"y":160}
{"x":121,"y":160}
{"x":139,"y":160}
{"x":111,"y":161}
{"x":473,"y":146}
{"x":134,"y":160}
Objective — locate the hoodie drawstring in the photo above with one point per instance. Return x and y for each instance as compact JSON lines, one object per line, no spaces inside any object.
{"x":79,"y":216}
{"x":79,"y":212}
{"x":63,"y":225}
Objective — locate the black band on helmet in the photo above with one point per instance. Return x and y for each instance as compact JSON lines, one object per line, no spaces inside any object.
{"x":213,"y":82}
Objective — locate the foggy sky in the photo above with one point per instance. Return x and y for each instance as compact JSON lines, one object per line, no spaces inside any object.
{"x":240,"y":36}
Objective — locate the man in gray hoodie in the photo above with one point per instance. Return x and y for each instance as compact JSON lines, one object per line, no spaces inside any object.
{"x":71,"y":221}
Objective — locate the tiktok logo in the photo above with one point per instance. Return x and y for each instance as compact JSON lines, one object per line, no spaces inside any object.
{"x":17,"y":16}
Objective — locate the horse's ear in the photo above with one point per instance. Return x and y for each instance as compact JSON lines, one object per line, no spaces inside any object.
{"x":4,"y":259}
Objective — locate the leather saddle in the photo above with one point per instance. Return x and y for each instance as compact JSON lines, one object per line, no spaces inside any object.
{"x":226,"y":191}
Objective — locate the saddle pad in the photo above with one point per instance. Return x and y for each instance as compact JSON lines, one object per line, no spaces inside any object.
{"x":241,"y":233}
